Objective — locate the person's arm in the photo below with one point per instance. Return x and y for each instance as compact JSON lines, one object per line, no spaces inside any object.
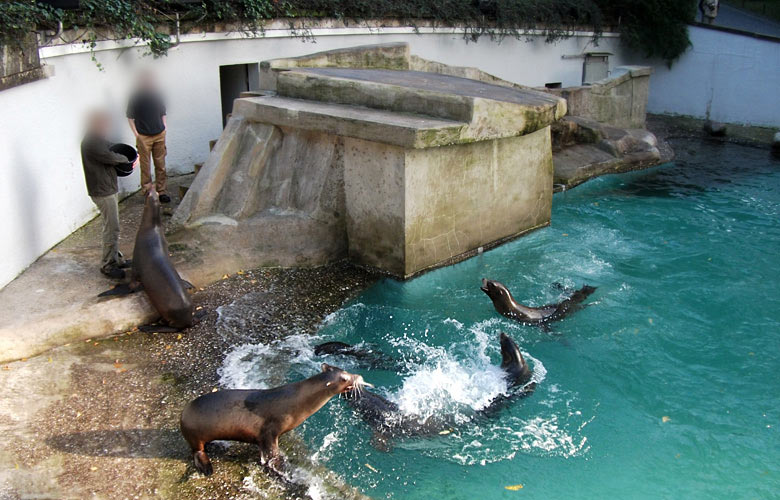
{"x":132,"y":126}
{"x":99,"y":153}
{"x":131,"y":116}
{"x":163,"y":114}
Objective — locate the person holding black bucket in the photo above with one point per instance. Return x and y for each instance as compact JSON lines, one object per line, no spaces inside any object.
{"x":146,"y":115}
{"x":102,"y":163}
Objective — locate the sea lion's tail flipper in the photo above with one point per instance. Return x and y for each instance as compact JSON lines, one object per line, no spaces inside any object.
{"x":122,"y":289}
{"x":582,"y":294}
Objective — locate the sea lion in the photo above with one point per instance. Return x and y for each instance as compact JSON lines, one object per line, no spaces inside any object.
{"x":388,"y":421}
{"x":154,"y":272}
{"x":509,"y":307}
{"x":368,"y":357}
{"x":260,"y":416}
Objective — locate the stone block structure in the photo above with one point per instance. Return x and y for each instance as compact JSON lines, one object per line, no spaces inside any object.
{"x":401,"y":170}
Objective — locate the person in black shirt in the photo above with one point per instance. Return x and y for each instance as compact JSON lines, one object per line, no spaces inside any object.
{"x":146,"y":114}
{"x":99,"y":172}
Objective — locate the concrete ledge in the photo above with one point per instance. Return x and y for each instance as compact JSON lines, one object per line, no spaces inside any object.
{"x":400,"y":129}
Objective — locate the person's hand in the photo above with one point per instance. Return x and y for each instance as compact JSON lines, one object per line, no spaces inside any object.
{"x":135,"y":163}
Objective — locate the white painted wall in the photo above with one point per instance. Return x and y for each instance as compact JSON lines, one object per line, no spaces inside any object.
{"x":735,"y":77}
{"x":42,"y":194}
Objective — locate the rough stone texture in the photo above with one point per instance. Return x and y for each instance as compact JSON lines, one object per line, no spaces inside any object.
{"x":583,"y":149}
{"x":620,"y":100}
{"x":19,"y":64}
{"x":402,"y":167}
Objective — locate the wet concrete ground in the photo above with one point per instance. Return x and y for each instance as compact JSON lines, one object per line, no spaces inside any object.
{"x":99,"y":418}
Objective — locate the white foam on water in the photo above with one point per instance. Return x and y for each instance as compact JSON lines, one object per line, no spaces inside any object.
{"x":260,"y":366}
{"x":454,"y":322}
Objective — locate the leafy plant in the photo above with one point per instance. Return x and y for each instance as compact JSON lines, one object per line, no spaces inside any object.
{"x":657,"y":27}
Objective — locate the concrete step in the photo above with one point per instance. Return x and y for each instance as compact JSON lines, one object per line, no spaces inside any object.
{"x":212,"y":143}
{"x":198,"y":166}
{"x":488,"y":109}
{"x":387,"y":127}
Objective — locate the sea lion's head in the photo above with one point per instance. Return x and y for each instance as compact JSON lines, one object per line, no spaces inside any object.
{"x":340,"y":381}
{"x":496,"y":291}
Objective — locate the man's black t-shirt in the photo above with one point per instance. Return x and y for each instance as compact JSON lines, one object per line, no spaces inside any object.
{"x":147,"y":109}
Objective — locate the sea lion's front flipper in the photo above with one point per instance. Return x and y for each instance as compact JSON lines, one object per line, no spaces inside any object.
{"x":381,"y":442}
{"x":199,"y":315}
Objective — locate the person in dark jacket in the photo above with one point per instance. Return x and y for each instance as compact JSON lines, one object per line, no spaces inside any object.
{"x":147,"y":117}
{"x":99,"y":171}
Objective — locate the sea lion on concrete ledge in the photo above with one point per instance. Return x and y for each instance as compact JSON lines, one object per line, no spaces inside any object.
{"x":388,"y":421}
{"x":260,"y":416}
{"x":509,"y":307}
{"x":154,"y":272}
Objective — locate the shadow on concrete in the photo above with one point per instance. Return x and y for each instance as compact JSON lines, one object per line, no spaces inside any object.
{"x":123,"y":443}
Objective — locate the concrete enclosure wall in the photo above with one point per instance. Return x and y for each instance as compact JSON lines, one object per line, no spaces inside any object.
{"x":723,"y":76}
{"x":43,"y":198}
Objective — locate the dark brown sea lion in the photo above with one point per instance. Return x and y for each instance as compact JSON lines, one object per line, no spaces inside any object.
{"x":388,"y":421}
{"x":368,"y":356}
{"x":509,"y":307}
{"x":260,"y":416}
{"x":154,"y":272}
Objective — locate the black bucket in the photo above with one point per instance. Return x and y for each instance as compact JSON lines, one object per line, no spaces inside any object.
{"x":125,"y":169}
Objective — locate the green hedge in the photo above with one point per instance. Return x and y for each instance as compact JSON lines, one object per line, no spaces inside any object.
{"x":656,"y":27}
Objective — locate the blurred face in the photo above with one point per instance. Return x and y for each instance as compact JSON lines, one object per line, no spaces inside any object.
{"x":99,"y":124}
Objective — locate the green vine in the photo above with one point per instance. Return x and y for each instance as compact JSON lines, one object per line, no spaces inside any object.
{"x":657,"y":27}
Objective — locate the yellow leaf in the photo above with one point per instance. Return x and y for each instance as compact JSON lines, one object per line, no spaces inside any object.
{"x":168,"y":346}
{"x":215,"y":389}
{"x":371,"y":468}
{"x":444,"y":432}
{"x":665,"y":419}
{"x":179,"y":336}
{"x":93,"y":469}
{"x":565,"y":234}
{"x":514,"y":487}
{"x":225,"y":276}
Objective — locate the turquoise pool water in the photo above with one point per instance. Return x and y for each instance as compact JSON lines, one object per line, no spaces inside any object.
{"x":666,"y":386}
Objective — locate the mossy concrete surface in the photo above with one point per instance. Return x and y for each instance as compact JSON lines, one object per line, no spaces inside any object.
{"x":99,"y":418}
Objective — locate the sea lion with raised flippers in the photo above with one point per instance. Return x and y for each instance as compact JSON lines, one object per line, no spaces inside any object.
{"x":260,"y":416}
{"x":506,"y":305}
{"x":154,"y":272}
{"x":388,"y":421}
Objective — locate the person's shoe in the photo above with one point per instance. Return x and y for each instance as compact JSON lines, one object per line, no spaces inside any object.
{"x":128,"y":263}
{"x":164,"y":198}
{"x":113,"y":272}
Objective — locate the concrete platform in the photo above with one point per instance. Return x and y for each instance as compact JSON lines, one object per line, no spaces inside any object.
{"x":407,"y":167}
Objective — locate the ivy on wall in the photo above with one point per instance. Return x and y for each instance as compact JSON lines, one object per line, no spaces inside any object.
{"x":656,"y":27}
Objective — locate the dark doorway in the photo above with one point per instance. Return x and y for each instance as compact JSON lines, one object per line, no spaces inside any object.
{"x":233,"y":80}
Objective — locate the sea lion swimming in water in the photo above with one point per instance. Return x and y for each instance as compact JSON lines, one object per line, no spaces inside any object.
{"x":388,"y":421}
{"x":154,"y":272}
{"x":369,"y":357}
{"x":509,"y":307}
{"x":260,"y":416}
